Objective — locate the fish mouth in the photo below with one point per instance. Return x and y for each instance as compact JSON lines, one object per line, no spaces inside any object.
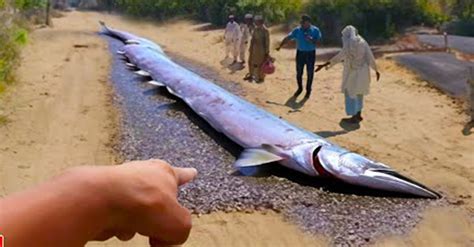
{"x":355,"y":169}
{"x":394,"y":181}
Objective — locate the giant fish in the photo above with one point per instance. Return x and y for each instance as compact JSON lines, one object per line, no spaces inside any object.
{"x":265,"y":138}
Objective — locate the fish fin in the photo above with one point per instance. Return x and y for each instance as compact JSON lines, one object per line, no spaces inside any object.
{"x":132,"y":42}
{"x":173,"y":92}
{"x":142,"y":73}
{"x":273,"y":149}
{"x":255,"y":157}
{"x":130,"y":65}
{"x":156,"y":83}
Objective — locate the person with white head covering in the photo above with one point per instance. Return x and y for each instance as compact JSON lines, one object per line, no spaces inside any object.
{"x":358,"y":59}
{"x":246,"y":29}
{"x":232,"y":37}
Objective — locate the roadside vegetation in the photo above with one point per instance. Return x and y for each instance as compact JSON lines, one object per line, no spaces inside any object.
{"x":4,"y":120}
{"x":376,"y":19}
{"x":13,"y":34}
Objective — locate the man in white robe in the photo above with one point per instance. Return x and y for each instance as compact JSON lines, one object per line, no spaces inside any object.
{"x":357,"y":58}
{"x":232,"y":37}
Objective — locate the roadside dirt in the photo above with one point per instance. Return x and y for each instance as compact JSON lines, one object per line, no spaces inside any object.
{"x":60,"y":112}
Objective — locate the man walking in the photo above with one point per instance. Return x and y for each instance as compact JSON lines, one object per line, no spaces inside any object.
{"x":246,"y":29}
{"x":232,"y":38}
{"x":306,"y":36}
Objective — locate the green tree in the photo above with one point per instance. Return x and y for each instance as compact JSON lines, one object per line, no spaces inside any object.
{"x":375,"y":19}
{"x":29,"y":4}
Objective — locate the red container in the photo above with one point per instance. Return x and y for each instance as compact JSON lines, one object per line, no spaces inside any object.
{"x":268,"y":67}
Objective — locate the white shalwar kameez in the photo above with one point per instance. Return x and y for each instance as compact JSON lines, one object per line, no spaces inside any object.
{"x":232,"y":39}
{"x":358,"y":59}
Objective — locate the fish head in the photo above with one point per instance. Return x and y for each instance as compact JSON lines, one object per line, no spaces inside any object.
{"x":356,"y":169}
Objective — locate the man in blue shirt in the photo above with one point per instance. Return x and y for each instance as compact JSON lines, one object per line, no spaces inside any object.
{"x":306,"y":36}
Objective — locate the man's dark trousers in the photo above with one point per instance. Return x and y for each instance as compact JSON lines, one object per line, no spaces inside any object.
{"x":305,"y":58}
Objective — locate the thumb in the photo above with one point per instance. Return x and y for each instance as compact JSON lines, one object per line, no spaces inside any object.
{"x":184,"y":175}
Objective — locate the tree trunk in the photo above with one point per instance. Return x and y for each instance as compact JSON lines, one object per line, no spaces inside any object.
{"x":48,"y":11}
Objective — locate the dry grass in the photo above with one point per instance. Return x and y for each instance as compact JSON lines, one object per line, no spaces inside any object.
{"x":2,"y":87}
{"x":4,"y":120}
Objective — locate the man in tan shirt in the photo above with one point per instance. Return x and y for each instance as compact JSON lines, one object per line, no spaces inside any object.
{"x":259,"y":51}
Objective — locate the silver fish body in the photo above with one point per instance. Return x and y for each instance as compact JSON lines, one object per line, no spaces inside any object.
{"x":265,"y":137}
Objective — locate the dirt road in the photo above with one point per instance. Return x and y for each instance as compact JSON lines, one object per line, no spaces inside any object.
{"x":60,"y":116}
{"x":59,"y":112}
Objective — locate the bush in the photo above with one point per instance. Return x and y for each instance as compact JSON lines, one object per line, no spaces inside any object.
{"x":12,"y":36}
{"x":275,"y":11}
{"x":214,"y":11}
{"x":463,"y":11}
{"x":29,"y":4}
{"x":461,"y":27}
{"x":159,"y":9}
{"x":375,"y":19}
{"x":11,"y":39}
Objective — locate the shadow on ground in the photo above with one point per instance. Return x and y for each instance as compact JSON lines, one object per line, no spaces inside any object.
{"x":228,"y":63}
{"x":467,"y":130}
{"x":292,"y":103}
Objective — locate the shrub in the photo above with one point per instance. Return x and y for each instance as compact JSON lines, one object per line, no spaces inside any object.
{"x":375,"y":19}
{"x":214,"y":11}
{"x":12,"y":36}
{"x":29,"y":4}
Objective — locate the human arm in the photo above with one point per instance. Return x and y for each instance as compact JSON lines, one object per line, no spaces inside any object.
{"x":321,"y":66}
{"x":339,"y":57}
{"x":371,"y":60}
{"x":97,"y":203}
{"x":238,"y":33}
{"x":226,"y":30}
{"x":285,"y":40}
